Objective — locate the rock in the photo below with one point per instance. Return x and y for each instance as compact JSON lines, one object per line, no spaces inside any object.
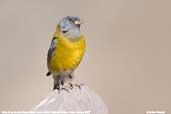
{"x":76,"y":100}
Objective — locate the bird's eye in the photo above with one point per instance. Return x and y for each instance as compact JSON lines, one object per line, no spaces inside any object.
{"x":70,"y":19}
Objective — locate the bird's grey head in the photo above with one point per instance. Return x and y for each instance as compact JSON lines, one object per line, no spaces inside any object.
{"x":70,"y":27}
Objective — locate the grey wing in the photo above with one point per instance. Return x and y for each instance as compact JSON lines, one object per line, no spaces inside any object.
{"x":51,"y":50}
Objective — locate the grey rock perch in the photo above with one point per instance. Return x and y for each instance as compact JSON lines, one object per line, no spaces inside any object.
{"x":76,"y":100}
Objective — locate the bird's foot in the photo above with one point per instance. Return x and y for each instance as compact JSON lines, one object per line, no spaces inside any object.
{"x":64,"y":87}
{"x":79,"y":85}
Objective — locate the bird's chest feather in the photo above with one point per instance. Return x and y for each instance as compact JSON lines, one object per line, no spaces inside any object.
{"x":68,"y":54}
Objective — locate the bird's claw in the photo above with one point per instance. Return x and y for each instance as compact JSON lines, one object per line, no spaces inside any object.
{"x":76,"y":85}
{"x":66,"y":88}
{"x":70,"y":87}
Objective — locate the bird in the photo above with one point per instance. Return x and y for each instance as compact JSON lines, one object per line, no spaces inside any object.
{"x":65,"y":53}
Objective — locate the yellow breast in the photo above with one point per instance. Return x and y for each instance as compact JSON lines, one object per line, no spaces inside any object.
{"x":67,"y":55}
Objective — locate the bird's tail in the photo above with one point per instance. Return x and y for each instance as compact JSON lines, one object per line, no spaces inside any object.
{"x":48,"y":74}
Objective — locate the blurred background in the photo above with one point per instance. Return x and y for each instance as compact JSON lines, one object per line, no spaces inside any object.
{"x":127,"y":61}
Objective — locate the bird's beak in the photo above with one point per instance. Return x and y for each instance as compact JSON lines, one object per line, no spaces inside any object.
{"x":79,"y":22}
